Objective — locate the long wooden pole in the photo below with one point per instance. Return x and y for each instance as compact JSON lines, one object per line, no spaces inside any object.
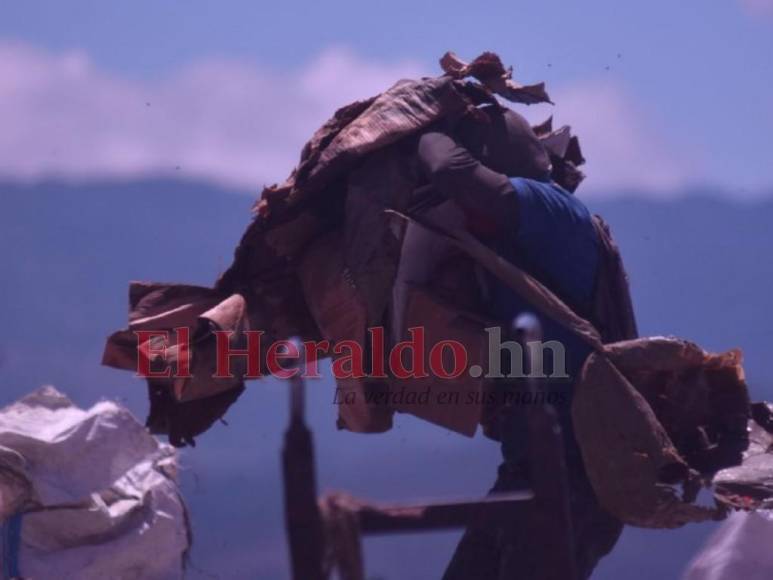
{"x":302,"y":516}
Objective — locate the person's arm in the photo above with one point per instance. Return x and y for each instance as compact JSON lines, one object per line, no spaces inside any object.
{"x":457,"y":174}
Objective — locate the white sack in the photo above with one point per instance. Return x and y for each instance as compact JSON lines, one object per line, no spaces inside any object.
{"x":739,"y":550}
{"x":96,"y":492}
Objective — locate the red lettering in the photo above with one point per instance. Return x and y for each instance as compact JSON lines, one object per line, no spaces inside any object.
{"x":224,"y":352}
{"x":457,"y":353}
{"x":353,"y":360}
{"x":416,"y":347}
{"x":377,"y":370}
{"x":281,"y":350}
{"x":311,"y":359}
{"x":183,"y":334}
{"x":146,"y":352}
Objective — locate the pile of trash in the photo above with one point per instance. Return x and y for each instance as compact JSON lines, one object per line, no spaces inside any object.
{"x":355,"y":239}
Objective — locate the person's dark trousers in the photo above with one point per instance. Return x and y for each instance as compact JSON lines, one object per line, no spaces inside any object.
{"x":509,"y":553}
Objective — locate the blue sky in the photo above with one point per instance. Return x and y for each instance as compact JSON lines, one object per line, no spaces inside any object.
{"x":671,"y":94}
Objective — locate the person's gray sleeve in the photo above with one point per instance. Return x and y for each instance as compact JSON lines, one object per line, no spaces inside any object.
{"x":457,"y":174}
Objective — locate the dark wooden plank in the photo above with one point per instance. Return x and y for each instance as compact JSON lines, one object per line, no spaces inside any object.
{"x":441,"y":515}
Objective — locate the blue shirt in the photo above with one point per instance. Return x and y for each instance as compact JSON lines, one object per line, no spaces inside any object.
{"x":555,"y":241}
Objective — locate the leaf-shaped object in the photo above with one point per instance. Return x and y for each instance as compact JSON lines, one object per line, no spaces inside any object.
{"x":489,"y":70}
{"x":544,"y":128}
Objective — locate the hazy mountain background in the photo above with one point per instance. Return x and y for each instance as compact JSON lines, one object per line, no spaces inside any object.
{"x":700,"y":269}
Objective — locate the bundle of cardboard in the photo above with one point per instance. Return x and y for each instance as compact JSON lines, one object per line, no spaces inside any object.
{"x":354,"y":240}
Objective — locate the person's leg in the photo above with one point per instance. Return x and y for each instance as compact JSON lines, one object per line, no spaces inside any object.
{"x":480,"y":551}
{"x":511,"y":553}
{"x":595,"y":531}
{"x":477,"y":556}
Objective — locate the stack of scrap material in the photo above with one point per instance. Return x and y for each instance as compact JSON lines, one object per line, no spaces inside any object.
{"x":86,"y":494}
{"x":356,"y":239}
{"x":321,"y":256}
